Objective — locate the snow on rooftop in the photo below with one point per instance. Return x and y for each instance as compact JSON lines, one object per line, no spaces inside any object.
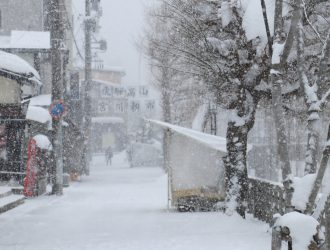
{"x":43,"y":142}
{"x":13,"y":64}
{"x":107,"y":120}
{"x":30,"y":39}
{"x":214,"y":142}
{"x":38,"y":114}
{"x":41,"y":100}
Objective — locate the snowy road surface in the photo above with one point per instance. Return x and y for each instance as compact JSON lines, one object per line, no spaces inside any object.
{"x":118,"y":208}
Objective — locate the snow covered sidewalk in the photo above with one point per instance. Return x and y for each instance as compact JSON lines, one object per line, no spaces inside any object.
{"x":122,"y":208}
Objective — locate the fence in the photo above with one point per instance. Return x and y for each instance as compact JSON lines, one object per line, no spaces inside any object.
{"x":265,"y":199}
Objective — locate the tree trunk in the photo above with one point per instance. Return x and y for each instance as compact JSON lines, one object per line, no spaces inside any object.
{"x":311,"y":100}
{"x":282,"y":140}
{"x":236,"y":171}
{"x":235,"y":161}
{"x":277,"y":81}
{"x":319,"y":177}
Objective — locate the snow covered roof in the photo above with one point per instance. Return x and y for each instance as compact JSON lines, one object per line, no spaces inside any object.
{"x":41,"y":100}
{"x":26,"y":40}
{"x":212,"y":141}
{"x":15,"y":65}
{"x":38,"y":114}
{"x":107,"y":120}
{"x":43,"y":142}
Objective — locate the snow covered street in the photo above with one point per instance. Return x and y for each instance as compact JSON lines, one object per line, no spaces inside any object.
{"x":122,"y":208}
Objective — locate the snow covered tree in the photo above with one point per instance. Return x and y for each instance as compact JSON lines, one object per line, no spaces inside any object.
{"x":173,"y":82}
{"x":219,"y":53}
{"x":241,"y":63}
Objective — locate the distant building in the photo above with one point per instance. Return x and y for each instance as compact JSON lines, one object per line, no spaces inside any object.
{"x":109,"y":108}
{"x":117,"y":109}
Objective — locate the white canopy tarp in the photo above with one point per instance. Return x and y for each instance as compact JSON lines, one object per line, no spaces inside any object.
{"x":212,"y":141}
{"x":194,"y":162}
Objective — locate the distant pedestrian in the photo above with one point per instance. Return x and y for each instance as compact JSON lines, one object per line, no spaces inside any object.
{"x":108,"y":155}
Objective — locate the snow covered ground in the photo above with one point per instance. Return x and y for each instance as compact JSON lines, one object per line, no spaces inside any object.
{"x":121,"y":208}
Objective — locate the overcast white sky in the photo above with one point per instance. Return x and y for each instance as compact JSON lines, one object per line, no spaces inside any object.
{"x":122,"y":25}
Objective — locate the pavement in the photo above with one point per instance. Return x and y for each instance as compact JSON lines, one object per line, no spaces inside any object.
{"x":123,"y":208}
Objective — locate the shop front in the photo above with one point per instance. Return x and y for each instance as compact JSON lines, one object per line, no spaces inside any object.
{"x":18,"y":82}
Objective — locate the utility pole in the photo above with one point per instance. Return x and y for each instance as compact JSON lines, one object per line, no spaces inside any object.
{"x":88,"y":82}
{"x":56,"y":31}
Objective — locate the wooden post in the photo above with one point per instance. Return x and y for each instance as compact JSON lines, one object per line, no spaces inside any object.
{"x":327,"y":224}
{"x":276,"y":239}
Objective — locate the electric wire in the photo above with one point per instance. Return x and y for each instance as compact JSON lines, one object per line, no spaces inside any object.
{"x":72,"y":32}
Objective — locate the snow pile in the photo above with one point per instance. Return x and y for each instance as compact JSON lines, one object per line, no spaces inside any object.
{"x":43,"y":142}
{"x":302,"y":228}
{"x":13,"y":64}
{"x":302,"y":189}
{"x":38,"y":114}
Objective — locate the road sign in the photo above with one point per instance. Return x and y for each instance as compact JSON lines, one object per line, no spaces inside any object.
{"x":57,"y":109}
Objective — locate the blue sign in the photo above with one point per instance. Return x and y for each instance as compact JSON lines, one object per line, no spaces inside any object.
{"x":57,"y":109}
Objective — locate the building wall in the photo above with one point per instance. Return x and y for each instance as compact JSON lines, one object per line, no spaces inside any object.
{"x":21,"y":15}
{"x":110,"y":76}
{"x":31,"y":15}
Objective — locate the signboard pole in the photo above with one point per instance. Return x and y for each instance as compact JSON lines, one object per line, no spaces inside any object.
{"x":56,"y":32}
{"x":88,"y":82}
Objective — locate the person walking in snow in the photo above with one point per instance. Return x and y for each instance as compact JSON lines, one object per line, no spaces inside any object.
{"x":108,"y":155}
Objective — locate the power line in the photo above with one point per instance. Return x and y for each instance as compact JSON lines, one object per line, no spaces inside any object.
{"x":72,"y":31}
